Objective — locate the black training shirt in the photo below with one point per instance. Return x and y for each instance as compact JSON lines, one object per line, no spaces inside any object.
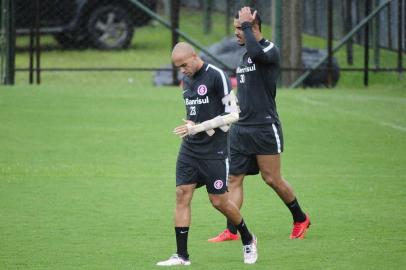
{"x":202,"y":95}
{"x":257,"y":73}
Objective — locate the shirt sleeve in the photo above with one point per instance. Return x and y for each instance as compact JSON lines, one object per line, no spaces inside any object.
{"x":268,"y":55}
{"x":222,"y":83}
{"x":223,"y":87}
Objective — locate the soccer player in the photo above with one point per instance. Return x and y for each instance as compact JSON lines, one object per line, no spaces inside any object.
{"x":256,"y":139}
{"x":202,"y":160}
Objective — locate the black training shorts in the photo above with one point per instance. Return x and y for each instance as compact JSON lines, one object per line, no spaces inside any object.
{"x":210,"y":172}
{"x":246,"y":142}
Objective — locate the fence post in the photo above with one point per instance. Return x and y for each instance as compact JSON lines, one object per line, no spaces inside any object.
{"x":167,"y":8}
{"x":37,"y":41}
{"x":10,"y":41}
{"x":389,"y":18}
{"x":348,"y":27}
{"x":376,"y":34}
{"x":175,"y":35}
{"x":330,"y":43}
{"x":228,"y":15}
{"x":400,"y":38}
{"x":277,"y":29}
{"x":358,"y":19}
{"x":31,"y":45}
{"x":207,"y":7}
{"x":366,"y":45}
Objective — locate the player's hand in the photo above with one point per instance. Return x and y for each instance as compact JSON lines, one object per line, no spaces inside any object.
{"x":184,"y":130}
{"x":245,"y":15}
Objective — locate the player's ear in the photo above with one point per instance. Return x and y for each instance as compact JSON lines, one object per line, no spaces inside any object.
{"x":255,"y":26}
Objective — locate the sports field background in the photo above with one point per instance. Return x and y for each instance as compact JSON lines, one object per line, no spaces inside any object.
{"x":87,"y":166}
{"x":87,"y":181}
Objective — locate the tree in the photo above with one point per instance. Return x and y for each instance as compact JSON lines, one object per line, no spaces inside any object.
{"x":289,"y":33}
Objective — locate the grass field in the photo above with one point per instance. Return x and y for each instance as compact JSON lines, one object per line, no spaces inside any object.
{"x":87,"y":181}
{"x":87,"y":165}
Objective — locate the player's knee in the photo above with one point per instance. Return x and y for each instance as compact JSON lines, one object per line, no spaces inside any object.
{"x":234,"y":181}
{"x":270,"y":179}
{"x":217,"y":202}
{"x":181,"y":196}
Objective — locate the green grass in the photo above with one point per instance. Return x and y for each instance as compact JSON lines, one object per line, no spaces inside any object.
{"x":87,"y":165}
{"x":87,"y":181}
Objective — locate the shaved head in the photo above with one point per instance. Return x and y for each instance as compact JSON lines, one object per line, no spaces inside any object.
{"x":182,"y":50}
{"x":185,"y":58}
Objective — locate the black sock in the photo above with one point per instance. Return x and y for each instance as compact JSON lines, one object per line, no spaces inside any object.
{"x":246,"y":237}
{"x":181,"y":241}
{"x":231,"y":227}
{"x":297,"y":213}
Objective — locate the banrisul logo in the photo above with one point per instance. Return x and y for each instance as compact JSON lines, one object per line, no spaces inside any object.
{"x":197,"y":101}
{"x":202,"y":90}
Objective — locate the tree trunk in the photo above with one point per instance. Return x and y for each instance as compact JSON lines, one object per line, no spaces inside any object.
{"x":291,"y":51}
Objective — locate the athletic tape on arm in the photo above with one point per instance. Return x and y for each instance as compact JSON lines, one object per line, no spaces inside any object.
{"x":209,"y":125}
{"x":223,"y":122}
{"x":230,"y":101}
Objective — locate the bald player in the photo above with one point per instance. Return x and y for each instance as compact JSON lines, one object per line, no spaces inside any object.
{"x":211,"y":107}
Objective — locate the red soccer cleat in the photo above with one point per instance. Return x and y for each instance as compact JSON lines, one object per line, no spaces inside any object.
{"x":300,"y":228}
{"x":226,"y":235}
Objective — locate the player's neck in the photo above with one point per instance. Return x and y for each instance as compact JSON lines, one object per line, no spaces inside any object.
{"x":258,"y":36}
{"x":199,"y":65}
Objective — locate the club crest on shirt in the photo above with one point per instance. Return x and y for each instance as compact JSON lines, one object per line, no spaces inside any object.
{"x":249,"y":60}
{"x":218,"y":184}
{"x":202,"y":90}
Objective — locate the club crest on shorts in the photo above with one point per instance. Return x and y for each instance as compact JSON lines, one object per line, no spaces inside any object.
{"x":218,"y":184}
{"x":202,"y":90}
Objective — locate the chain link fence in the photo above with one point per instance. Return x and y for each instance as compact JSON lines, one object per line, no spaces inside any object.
{"x":117,"y":42}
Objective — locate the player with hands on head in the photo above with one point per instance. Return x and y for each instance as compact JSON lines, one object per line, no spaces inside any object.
{"x":256,"y":139}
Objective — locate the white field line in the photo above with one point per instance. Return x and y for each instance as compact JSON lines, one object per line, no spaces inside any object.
{"x":397,"y":100}
{"x":341,"y":176}
{"x":359,"y":115}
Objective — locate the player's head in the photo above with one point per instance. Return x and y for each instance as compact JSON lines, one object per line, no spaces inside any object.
{"x":185,"y":58}
{"x":256,"y":26}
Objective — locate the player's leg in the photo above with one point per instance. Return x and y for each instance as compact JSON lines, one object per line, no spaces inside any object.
{"x":186,"y":176}
{"x":236,"y":191}
{"x":270,"y":168}
{"x":214,"y":173}
{"x":223,"y":203}
{"x":184,"y":194}
{"x":240,"y":165}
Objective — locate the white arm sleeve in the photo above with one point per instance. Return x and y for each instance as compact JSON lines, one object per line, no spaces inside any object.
{"x":230,"y":101}
{"x":209,"y":125}
{"x":222,"y":121}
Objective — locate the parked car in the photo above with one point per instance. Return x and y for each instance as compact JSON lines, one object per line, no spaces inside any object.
{"x":103,"y":24}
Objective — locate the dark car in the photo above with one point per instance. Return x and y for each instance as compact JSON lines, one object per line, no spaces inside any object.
{"x":103,"y":24}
